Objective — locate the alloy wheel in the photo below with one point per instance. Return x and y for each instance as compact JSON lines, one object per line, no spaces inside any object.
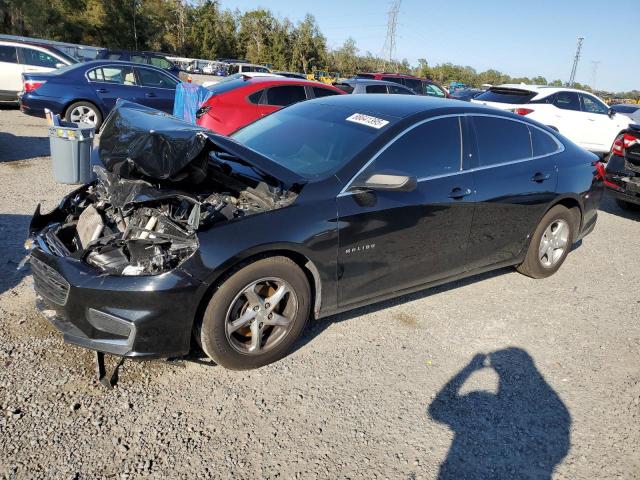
{"x":554,"y":243}
{"x":261,"y":316}
{"x":84,"y":114}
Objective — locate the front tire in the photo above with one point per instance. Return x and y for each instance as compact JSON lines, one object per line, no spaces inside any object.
{"x":84,"y":112}
{"x":550,"y":243}
{"x":256,"y":315}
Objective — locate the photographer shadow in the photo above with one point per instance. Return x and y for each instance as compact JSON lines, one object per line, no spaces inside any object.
{"x":522,"y":431}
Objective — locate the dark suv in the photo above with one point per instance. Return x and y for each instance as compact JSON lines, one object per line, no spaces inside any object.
{"x":622,"y":177}
{"x":148,"y":58}
{"x":421,"y":86}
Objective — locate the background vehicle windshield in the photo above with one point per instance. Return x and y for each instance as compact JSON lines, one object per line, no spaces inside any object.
{"x":310,"y":139}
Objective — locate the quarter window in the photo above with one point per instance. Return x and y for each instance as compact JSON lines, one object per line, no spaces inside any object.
{"x":151,"y":78}
{"x":432,"y":90}
{"x":8,"y":54}
{"x":593,"y":105}
{"x":38,"y":58}
{"x":567,"y":101}
{"x":432,"y":148}
{"x":285,"y":95}
{"x":255,"y":97}
{"x":542,"y":143}
{"x":501,"y":140}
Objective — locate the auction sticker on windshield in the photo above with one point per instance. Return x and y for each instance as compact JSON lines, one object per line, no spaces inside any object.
{"x":367,"y":120}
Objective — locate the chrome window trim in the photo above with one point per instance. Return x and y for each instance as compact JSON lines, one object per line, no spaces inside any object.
{"x":137,"y":65}
{"x":561,"y":148}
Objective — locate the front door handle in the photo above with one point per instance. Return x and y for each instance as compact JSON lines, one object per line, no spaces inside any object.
{"x":458,"y":193}
{"x":150,"y":95}
{"x":540,"y":177}
{"x":102,"y":90}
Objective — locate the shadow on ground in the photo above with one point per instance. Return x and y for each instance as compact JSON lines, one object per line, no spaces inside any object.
{"x":609,"y":205}
{"x":522,"y":431}
{"x":13,"y":232}
{"x":14,"y":147}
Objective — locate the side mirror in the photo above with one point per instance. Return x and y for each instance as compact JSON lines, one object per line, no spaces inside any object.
{"x":611,"y":112}
{"x":388,"y":182}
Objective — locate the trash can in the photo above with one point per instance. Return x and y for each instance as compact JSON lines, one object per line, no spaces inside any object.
{"x":71,"y":152}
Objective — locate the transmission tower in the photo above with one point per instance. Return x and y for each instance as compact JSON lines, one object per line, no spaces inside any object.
{"x":576,"y":59}
{"x":594,"y":73}
{"x":389,"y":47}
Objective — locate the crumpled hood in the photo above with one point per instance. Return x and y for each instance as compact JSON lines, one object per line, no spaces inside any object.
{"x":141,"y":142}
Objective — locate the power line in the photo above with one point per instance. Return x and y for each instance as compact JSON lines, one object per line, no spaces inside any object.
{"x":389,"y":47}
{"x":576,"y":59}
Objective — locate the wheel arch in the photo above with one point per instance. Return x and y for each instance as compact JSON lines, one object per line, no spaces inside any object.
{"x":306,"y":265}
{"x":574,"y":206}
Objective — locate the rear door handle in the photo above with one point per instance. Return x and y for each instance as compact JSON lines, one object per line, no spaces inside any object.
{"x":150,"y":94}
{"x":458,"y":193}
{"x":102,"y":90}
{"x":540,"y":177}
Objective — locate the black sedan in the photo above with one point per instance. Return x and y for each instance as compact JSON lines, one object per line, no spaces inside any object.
{"x":622,"y":177}
{"x":321,"y":207}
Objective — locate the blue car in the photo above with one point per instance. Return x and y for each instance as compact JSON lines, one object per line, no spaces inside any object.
{"x":86,"y":92}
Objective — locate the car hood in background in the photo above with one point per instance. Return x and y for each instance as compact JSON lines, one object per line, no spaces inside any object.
{"x":141,"y":142}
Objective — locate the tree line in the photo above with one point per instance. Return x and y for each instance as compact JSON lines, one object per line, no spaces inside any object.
{"x":204,"y":29}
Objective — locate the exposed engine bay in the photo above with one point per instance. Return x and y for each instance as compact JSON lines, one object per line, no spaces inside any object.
{"x":142,"y":214}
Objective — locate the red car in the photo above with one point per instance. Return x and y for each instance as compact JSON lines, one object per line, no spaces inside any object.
{"x":236,"y":103}
{"x":421,"y":86}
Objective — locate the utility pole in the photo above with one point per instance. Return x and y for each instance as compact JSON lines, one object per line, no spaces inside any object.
{"x":594,"y":73}
{"x":389,"y":47}
{"x":576,"y":59}
{"x":135,"y":32}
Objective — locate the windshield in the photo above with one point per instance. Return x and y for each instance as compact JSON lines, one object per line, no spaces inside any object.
{"x":309,"y":138}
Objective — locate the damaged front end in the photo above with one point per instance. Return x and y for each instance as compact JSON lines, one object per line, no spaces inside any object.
{"x":163,"y":181}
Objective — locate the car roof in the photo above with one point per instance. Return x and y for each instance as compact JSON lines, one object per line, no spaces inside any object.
{"x":372,"y":81}
{"x":31,"y":44}
{"x":273,"y":79}
{"x":540,"y":89}
{"x":405,"y":105}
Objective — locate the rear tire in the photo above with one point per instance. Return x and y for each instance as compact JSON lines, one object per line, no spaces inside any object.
{"x":84,"y":112}
{"x":550,"y":243}
{"x":256,"y":315}
{"x":628,"y":206}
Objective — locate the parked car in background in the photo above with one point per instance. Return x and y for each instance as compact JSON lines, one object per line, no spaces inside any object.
{"x":320,"y":208}
{"x":466,"y":94}
{"x":420,"y":86}
{"x":82,"y":53}
{"x":629,"y":109}
{"x":365,"y":85}
{"x":146,"y":58}
{"x":291,"y":75}
{"x":240,"y":101}
{"x":622,"y":177}
{"x":578,"y":115}
{"x":236,"y":76}
{"x":243,"y":67}
{"x":18,"y":57}
{"x":86,"y":92}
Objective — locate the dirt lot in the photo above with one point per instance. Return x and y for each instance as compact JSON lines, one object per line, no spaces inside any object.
{"x":388,"y":391}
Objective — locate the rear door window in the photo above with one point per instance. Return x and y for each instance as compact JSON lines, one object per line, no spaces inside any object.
{"x":138,"y":59}
{"x":414,"y":84}
{"x":285,"y":95}
{"x":501,"y":140}
{"x":507,"y":95}
{"x":8,"y":54}
{"x":399,"y":90}
{"x":118,"y":75}
{"x":376,"y":89}
{"x":320,"y":92}
{"x":432,"y":148}
{"x":38,"y":58}
{"x":567,"y":101}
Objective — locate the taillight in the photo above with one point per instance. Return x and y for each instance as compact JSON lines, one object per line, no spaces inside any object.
{"x":600,"y":170}
{"x":623,"y":142}
{"x":523,"y":111}
{"x":31,"y":85}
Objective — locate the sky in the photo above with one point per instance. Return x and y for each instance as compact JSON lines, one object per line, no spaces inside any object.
{"x":520,"y":38}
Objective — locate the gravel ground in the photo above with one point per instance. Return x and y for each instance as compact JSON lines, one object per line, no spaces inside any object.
{"x":393,"y":390}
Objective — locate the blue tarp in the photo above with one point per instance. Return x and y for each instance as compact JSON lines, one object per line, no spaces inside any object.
{"x":189,"y":98}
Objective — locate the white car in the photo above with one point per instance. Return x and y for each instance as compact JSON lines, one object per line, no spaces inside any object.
{"x":580,"y":116}
{"x":17,"y":58}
